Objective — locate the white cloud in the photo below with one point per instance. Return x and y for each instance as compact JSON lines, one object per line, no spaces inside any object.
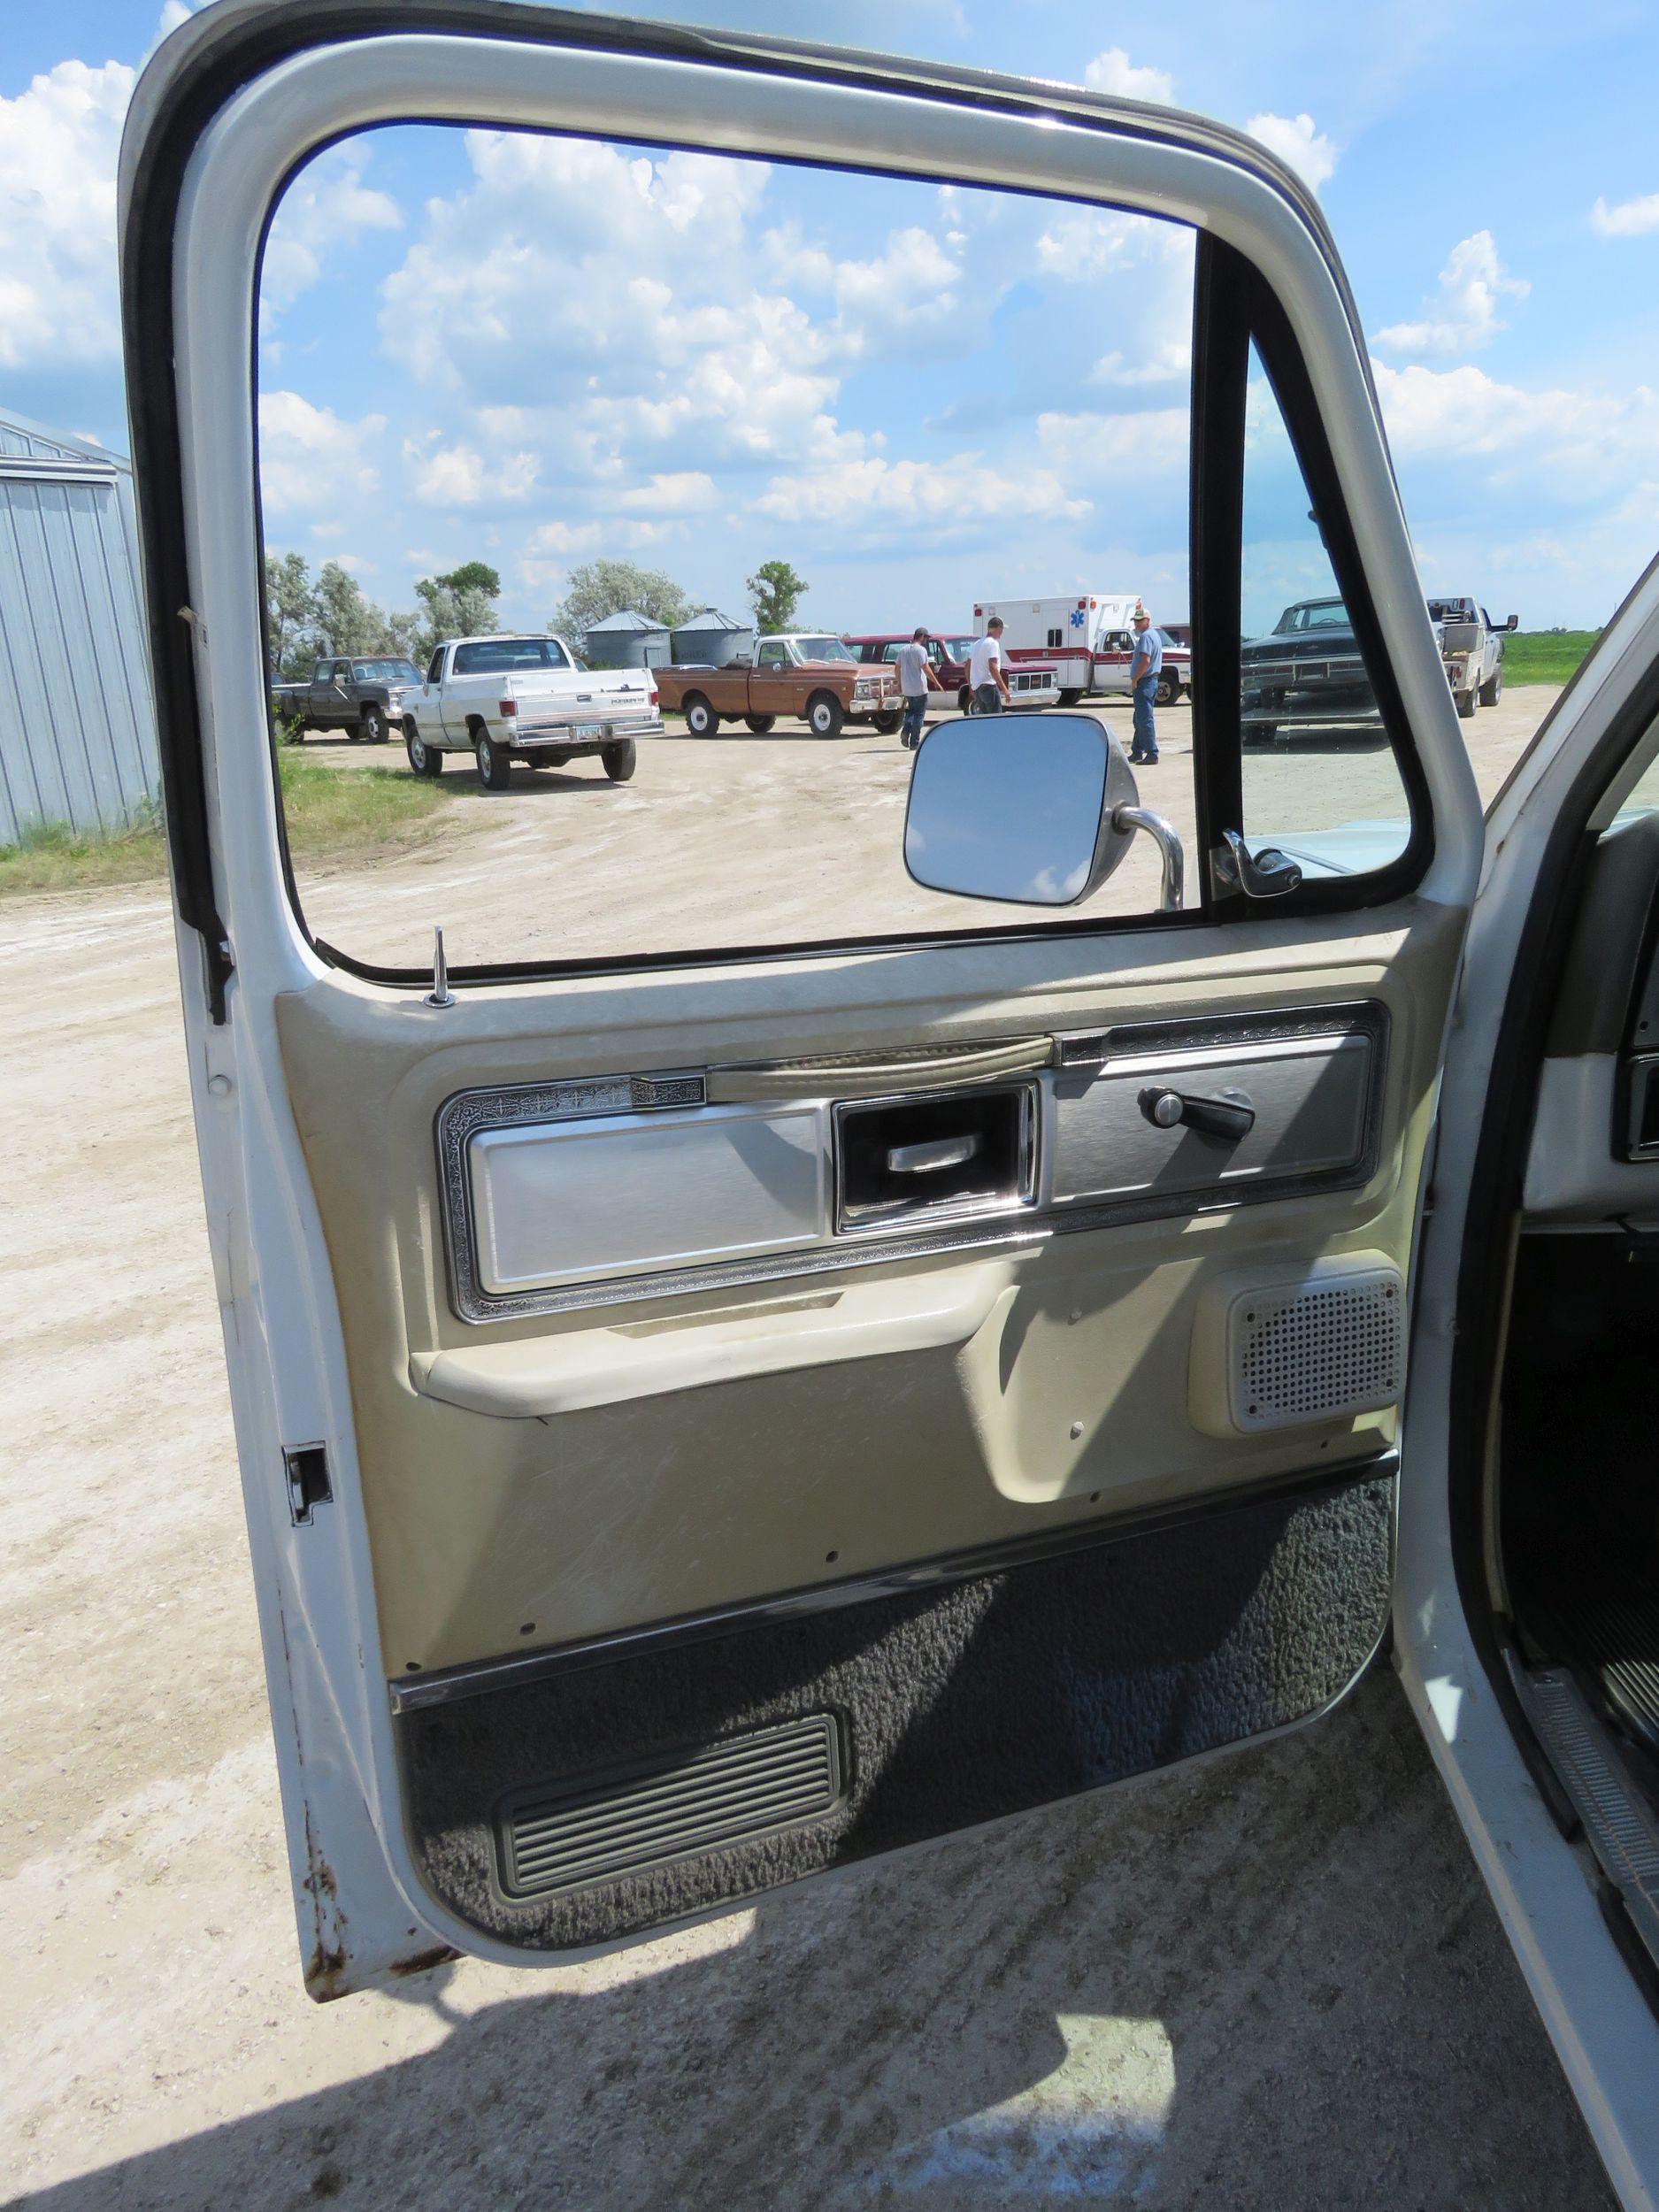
{"x":873,"y":499}
{"x":1298,"y":145}
{"x":679,"y":492}
{"x":907,"y":300}
{"x":1089,"y":242}
{"x":309,"y":453}
{"x":1577,"y":443}
{"x":1464,"y":314}
{"x":324,"y":211}
{"x":1116,"y":446}
{"x":460,"y":476}
{"x":1113,"y":71}
{"x":1169,"y":361}
{"x":1627,"y":218}
{"x":58,"y":143}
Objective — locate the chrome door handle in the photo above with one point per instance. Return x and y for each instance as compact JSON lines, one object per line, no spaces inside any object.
{"x":928,"y":1158}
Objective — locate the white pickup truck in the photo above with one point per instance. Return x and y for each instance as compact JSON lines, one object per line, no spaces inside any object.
{"x":504,"y":699}
{"x":1471,"y":648}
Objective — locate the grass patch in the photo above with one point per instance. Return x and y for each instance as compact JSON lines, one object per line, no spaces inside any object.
{"x":1545,"y":656}
{"x":365,"y":814}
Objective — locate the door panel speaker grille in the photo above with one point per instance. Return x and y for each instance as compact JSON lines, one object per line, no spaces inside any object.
{"x":591,"y":1828}
{"x":1326,"y":1344}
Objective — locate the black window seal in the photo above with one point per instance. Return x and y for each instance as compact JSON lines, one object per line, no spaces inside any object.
{"x":218,"y":55}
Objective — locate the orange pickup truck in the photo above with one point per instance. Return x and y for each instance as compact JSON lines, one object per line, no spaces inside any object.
{"x":800,"y":673}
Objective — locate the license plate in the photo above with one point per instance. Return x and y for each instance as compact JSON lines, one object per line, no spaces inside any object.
{"x":587,"y":729}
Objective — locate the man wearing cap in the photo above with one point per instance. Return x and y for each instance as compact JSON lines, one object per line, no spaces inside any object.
{"x":1144,"y":671}
{"x":916,"y":681}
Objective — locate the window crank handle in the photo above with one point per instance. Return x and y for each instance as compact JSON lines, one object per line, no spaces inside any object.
{"x":1229,"y":1115}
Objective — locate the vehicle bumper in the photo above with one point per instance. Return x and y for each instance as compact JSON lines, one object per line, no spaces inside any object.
{"x":531,"y":737}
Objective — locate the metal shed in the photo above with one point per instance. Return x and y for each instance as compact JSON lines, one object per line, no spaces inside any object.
{"x":709,"y":639}
{"x":77,"y":726}
{"x":626,"y":640}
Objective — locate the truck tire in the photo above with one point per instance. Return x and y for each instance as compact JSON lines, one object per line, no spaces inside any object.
{"x":371,"y":724}
{"x":888,"y":723}
{"x":1467,"y":701}
{"x":620,"y":759}
{"x":494,"y":762}
{"x":701,"y":719}
{"x":424,"y":759}
{"x":1167,"y":693}
{"x":824,"y":714}
{"x":1492,"y":691}
{"x":1067,"y":699}
{"x":759,"y":723}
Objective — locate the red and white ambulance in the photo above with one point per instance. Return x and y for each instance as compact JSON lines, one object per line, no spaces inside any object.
{"x":1088,"y":636}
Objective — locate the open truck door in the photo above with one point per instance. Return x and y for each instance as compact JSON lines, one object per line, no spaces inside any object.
{"x":708,"y":1419}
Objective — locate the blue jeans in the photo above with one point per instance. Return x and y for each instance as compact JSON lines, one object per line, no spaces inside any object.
{"x":987,"y":700}
{"x":914,"y":709}
{"x":1146,"y":738}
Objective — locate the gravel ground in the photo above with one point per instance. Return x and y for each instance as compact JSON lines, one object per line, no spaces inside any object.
{"x":1273,"y":1980}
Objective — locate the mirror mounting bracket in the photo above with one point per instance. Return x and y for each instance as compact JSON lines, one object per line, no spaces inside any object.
{"x":1267,"y":874}
{"x":1167,"y":838}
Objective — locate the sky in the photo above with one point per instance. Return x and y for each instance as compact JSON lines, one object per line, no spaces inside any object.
{"x":534,"y":351}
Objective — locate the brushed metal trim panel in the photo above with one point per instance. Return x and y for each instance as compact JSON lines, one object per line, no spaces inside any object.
{"x":619,"y":1195}
{"x":1310,"y":1096}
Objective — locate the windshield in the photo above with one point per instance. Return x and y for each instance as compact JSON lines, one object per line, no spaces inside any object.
{"x":1315,"y":614}
{"x":822,"y":649}
{"x":386,"y":671}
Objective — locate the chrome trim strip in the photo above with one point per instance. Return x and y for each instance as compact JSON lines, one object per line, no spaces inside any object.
{"x":452,"y":1684}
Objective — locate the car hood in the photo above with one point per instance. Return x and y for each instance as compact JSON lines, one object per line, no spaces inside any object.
{"x":1352,"y":849}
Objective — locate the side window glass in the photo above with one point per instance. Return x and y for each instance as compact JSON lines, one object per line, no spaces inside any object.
{"x":1320,"y":777}
{"x":342,"y":672}
{"x":434,"y":666}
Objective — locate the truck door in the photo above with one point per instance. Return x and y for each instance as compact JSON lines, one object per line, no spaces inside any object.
{"x":774,"y":685}
{"x":711,"y":1417}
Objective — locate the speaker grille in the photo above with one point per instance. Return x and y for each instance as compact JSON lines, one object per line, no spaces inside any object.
{"x":1318,"y":1351}
{"x":592,"y":1828}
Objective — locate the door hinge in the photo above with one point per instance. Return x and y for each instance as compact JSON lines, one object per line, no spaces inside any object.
{"x":307,"y":1466}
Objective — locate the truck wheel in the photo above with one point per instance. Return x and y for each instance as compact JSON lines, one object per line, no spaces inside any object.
{"x":424,"y":759}
{"x":620,"y":759}
{"x":759,"y":723}
{"x":824,"y":715}
{"x":1167,"y":693}
{"x":1067,"y":699}
{"x":1491,"y":692}
{"x":494,"y":762}
{"x":701,"y":719}
{"x":1467,"y":701}
{"x":372,"y":726}
{"x":888,"y":723}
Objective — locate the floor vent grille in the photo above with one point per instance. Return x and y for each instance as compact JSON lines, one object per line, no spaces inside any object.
{"x":591,"y":1828}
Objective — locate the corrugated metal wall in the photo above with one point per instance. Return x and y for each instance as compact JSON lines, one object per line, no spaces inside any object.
{"x":77,"y":729}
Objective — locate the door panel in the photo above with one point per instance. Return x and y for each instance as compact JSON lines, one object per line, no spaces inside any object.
{"x":682,"y":1521}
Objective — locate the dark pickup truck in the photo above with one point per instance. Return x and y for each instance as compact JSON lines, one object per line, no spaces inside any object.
{"x":363,"y":696}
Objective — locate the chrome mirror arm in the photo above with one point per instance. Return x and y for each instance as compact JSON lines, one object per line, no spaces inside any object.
{"x":1167,"y":838}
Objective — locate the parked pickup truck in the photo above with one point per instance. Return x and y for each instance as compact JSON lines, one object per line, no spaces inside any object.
{"x":800,"y":673}
{"x":504,"y":699}
{"x":1034,"y":683}
{"x":1471,"y":647}
{"x":364,"y":696}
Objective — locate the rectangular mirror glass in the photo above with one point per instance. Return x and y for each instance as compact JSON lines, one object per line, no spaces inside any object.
{"x":693,"y":444}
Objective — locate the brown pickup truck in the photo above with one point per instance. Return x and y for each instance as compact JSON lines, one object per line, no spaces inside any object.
{"x":802,"y":673}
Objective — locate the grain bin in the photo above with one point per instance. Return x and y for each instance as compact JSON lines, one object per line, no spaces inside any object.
{"x":626,"y":640}
{"x":711,"y":640}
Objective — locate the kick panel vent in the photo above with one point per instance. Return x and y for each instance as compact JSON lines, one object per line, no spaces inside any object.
{"x":591,"y":1828}
{"x":1325,"y":1343}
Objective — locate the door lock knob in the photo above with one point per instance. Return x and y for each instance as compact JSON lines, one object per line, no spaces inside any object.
{"x":1229,"y":1114}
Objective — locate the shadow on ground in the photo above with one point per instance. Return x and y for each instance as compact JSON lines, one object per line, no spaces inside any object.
{"x":1273,"y":1981}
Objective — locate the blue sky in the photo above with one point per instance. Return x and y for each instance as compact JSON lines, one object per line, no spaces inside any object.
{"x":920,"y":398}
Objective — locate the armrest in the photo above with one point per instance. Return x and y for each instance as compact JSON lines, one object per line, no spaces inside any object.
{"x":534,"y":1377}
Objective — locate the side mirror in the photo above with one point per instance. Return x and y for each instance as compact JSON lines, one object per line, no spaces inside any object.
{"x":1037,"y":810}
{"x":1514,"y":622}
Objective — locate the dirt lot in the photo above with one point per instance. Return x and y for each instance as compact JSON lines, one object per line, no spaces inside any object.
{"x":1270,"y":1981}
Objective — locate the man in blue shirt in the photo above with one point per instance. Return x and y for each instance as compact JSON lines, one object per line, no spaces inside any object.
{"x":1144,"y":671}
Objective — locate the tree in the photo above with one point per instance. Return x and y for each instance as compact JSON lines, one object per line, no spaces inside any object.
{"x":287,"y":613}
{"x":343,"y":619}
{"x":461,"y":604}
{"x":774,"y":592}
{"x":598,"y":588}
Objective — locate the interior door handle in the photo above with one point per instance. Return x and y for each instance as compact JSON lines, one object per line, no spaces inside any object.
{"x":1231,"y":1115}
{"x":928,"y":1158}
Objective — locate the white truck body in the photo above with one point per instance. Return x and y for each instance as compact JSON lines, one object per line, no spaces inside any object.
{"x":527,"y":694}
{"x":1472,"y":650}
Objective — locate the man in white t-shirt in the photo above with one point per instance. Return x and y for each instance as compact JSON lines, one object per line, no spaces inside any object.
{"x":916,"y":681}
{"x":987,"y":687}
